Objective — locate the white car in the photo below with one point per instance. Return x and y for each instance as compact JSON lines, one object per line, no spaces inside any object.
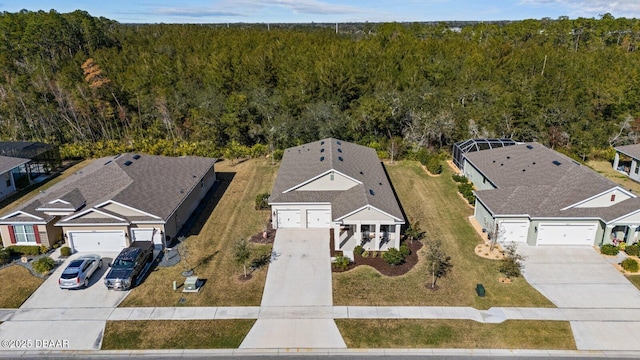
{"x":79,"y":271}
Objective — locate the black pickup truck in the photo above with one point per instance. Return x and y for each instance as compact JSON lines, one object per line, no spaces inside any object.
{"x":128,"y":265}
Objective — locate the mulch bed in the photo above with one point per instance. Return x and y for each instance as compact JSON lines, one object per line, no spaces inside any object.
{"x":260,"y":237}
{"x":378,"y":262}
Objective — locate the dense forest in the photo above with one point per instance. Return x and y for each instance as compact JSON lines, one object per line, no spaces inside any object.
{"x":97,"y":86}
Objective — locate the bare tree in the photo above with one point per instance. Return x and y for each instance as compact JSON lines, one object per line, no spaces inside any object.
{"x":438,"y":262}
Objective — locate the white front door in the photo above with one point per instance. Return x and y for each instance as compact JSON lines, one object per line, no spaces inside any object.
{"x":318,"y":218}
{"x":566,"y":234}
{"x":98,"y":240}
{"x":288,"y":219}
{"x":513,"y":231}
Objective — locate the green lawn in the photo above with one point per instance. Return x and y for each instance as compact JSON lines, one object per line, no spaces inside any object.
{"x":443,"y":215}
{"x":512,"y":334}
{"x":229,"y":217}
{"x":168,"y":334}
{"x":635,"y":280}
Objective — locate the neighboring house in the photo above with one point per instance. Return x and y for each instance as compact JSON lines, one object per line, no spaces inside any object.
{"x":337,"y":185}
{"x":10,"y":170}
{"x":112,"y":202}
{"x":629,"y":164}
{"x":540,"y":197}
{"x":43,"y":158}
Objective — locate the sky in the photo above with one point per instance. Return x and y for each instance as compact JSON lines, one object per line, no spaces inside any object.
{"x":329,"y":11}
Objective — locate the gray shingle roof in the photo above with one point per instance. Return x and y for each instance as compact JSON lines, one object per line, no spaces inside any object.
{"x":630,"y":150}
{"x":153,"y":184}
{"x":305,"y":162}
{"x":7,"y":163}
{"x":540,"y":182}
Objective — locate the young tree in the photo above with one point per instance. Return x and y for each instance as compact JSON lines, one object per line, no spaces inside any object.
{"x":242,"y":253}
{"x":438,"y":263}
{"x":414,"y":232}
{"x":511,"y":265}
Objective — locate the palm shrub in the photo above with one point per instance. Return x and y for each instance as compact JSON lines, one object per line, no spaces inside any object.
{"x":358,"y":250}
{"x":393,"y":256}
{"x":630,"y":265}
{"x":609,"y":249}
{"x":43,"y":265}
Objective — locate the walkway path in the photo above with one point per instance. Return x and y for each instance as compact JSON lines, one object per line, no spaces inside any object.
{"x":299,"y":277}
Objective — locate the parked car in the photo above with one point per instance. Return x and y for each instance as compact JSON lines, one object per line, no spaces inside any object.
{"x":79,"y":271}
{"x":129,"y":265}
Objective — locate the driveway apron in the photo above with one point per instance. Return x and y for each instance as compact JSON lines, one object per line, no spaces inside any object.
{"x":299,"y":275}
{"x":580,"y":278}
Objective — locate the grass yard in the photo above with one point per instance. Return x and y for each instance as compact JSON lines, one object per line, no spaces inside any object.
{"x":635,"y":280}
{"x":512,"y":334}
{"x":443,"y":214}
{"x":605,"y":169}
{"x":167,"y":334}
{"x":229,"y":216}
{"x":17,"y":285}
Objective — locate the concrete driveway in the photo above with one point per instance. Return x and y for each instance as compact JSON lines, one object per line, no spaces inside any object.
{"x":575,"y":278}
{"x":299,"y":275}
{"x":58,"y":319}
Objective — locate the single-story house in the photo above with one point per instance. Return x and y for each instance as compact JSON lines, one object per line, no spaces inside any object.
{"x":112,"y":202}
{"x":627,"y":161}
{"x":337,"y":185}
{"x":534,"y":195}
{"x":10,"y":169}
{"x":43,"y":158}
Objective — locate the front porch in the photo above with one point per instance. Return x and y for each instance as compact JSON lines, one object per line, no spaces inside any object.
{"x":618,"y":234}
{"x":627,"y":165}
{"x":372,"y":237}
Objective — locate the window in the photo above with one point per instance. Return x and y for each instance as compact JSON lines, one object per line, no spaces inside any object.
{"x":24,"y":233}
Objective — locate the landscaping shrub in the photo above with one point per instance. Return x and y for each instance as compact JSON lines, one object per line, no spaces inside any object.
{"x":65,"y":251}
{"x":622,"y":246}
{"x":43,"y":249}
{"x":43,"y":265}
{"x":404,"y":250}
{"x":5,"y":256}
{"x":630,"y":265}
{"x":466,"y":189}
{"x":358,"y":250}
{"x":393,"y":256}
{"x":460,"y":178}
{"x":365,"y":254}
{"x":262,"y":201}
{"x":341,"y":262}
{"x":25,"y":249}
{"x":632,"y":250}
{"x":433,"y":165}
{"x":609,"y":249}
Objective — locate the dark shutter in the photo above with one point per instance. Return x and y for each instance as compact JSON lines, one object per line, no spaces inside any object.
{"x":35,"y":231}
{"x":12,"y":234}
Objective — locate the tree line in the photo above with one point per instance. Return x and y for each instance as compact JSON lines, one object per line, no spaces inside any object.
{"x":97,"y":86}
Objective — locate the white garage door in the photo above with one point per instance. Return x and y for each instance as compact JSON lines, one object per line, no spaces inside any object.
{"x":513,"y":231}
{"x":566,"y":234}
{"x":318,"y":218}
{"x":99,"y":240}
{"x":288,"y":219}
{"x":146,"y":235}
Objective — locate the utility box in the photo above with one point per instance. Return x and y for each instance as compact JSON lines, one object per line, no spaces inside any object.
{"x":191,"y":284}
{"x":480,"y":290}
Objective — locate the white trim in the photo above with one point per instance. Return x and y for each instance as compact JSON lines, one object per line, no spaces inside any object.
{"x":623,"y":216}
{"x":59,"y":201}
{"x":56,"y":209}
{"x":299,"y":203}
{"x":125,"y":206}
{"x":150,"y":222}
{"x":319,"y":176}
{"x":92,"y":210}
{"x":92,"y":224}
{"x":600,"y":194}
{"x":22,"y":213}
{"x":371,"y":207}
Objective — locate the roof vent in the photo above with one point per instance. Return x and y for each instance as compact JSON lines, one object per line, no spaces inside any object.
{"x":371,"y":192}
{"x":534,"y":163}
{"x":338,"y":142}
{"x":127,"y":163}
{"x":322,"y":142}
{"x":556,"y":162}
{"x":523,"y":170}
{"x":494,"y":161}
{"x":339,"y":150}
{"x":380,"y":183}
{"x":361,"y":173}
{"x":322,"y":150}
{"x":508,"y":157}
{"x":529,"y":147}
{"x":340,"y":158}
{"x":321,"y":158}
{"x":108,"y":162}
{"x":501,"y":164}
{"x":136,"y":157}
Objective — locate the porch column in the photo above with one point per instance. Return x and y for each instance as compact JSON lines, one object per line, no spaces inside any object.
{"x":336,"y":236}
{"x":606,"y":237}
{"x":632,"y":171}
{"x":616,"y":161}
{"x":397,"y":236}
{"x":358,"y":233}
{"x":376,"y":246}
